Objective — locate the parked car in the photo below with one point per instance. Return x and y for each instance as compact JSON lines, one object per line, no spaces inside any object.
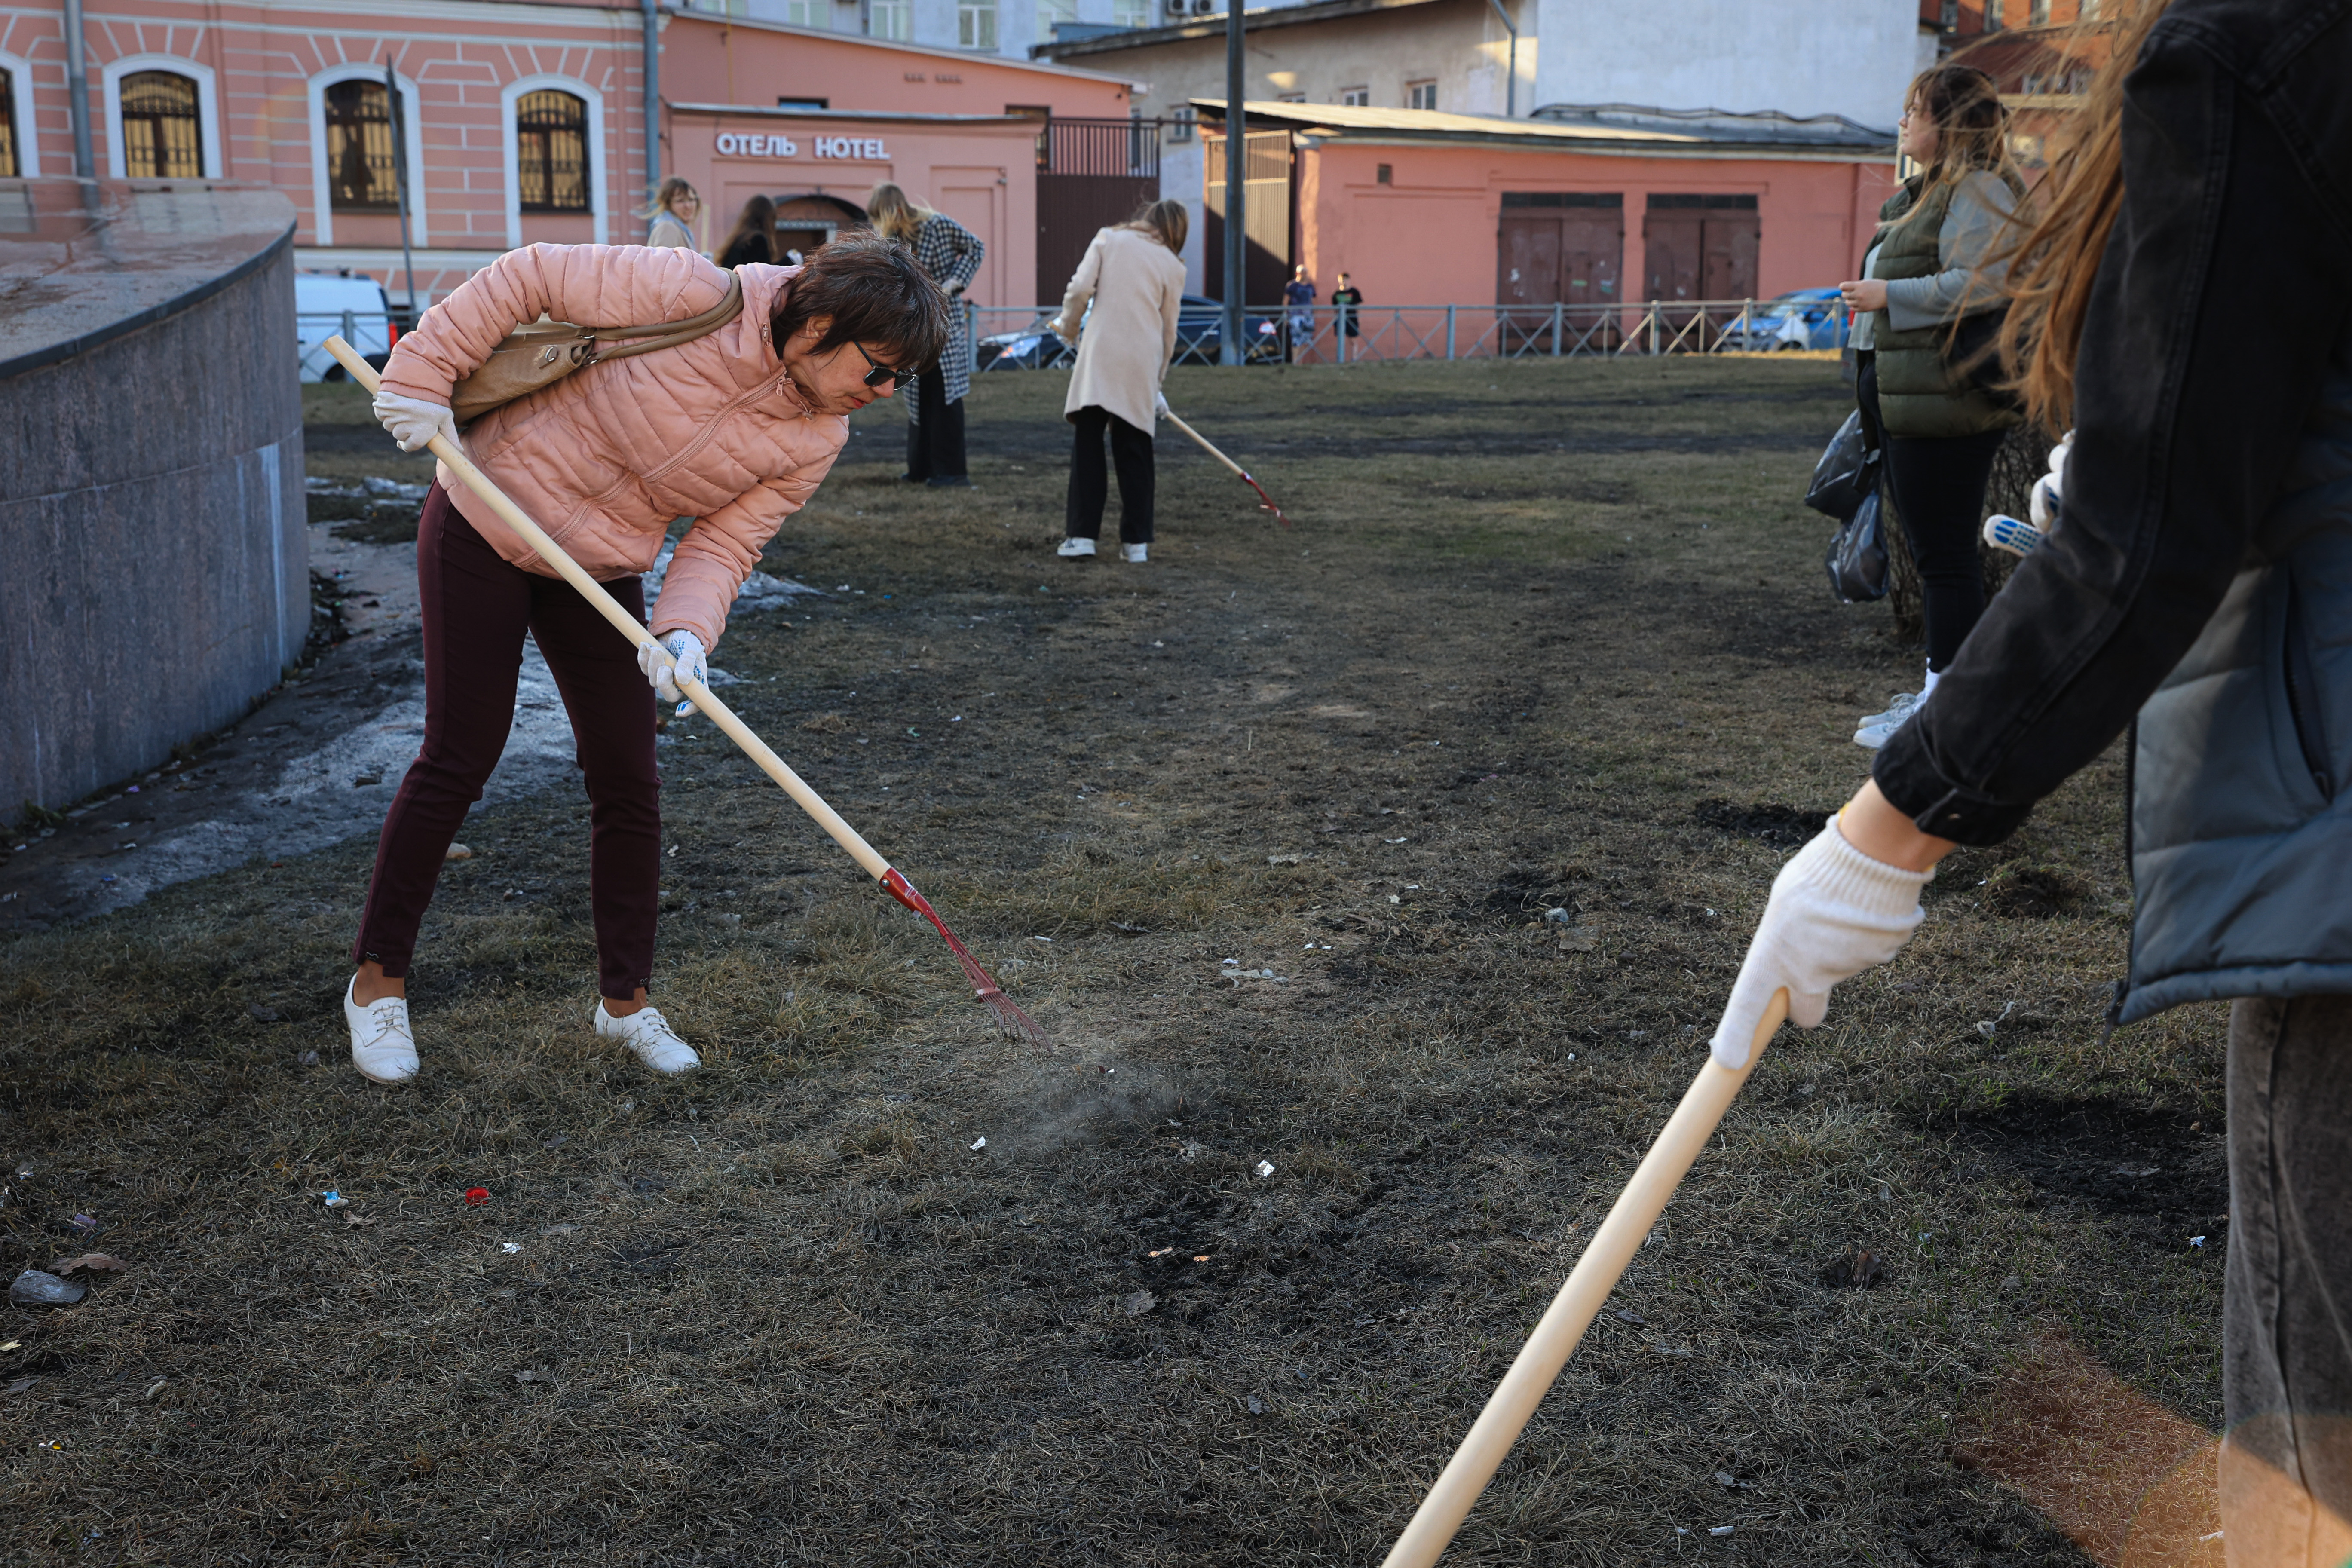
{"x":357,"y":309}
{"x":1028,"y":348}
{"x":1200,"y":339}
{"x":1800,"y":318}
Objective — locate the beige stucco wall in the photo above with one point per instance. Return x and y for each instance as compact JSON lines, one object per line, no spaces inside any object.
{"x":1459,"y":43}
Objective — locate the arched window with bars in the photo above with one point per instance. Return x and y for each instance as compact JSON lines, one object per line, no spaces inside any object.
{"x":358,"y":148}
{"x":551,"y":151}
{"x":162,"y":127}
{"x":12,"y":163}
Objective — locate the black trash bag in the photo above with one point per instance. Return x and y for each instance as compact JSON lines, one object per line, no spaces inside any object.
{"x":1847,"y":472}
{"x":1857,"y":557}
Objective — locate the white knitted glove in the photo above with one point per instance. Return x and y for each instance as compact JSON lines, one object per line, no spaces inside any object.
{"x":413,"y":421}
{"x":2048,"y":502}
{"x":687,"y":661}
{"x":1160,"y":403}
{"x":1834,"y":911}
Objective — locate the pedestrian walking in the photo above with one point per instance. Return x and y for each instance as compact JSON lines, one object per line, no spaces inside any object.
{"x":752,"y":240}
{"x":1299,"y":305}
{"x":1121,"y":308}
{"x":951,"y":255}
{"x":671,"y":216}
{"x":1347,"y":302}
{"x":2198,"y":579}
{"x":1933,"y":261}
{"x":733,"y":428}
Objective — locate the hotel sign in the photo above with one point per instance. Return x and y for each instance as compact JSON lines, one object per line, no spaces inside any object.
{"x":854,"y":148}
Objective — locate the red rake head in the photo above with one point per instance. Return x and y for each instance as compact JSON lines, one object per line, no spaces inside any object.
{"x":1266,"y":499}
{"x":1009,"y":1016}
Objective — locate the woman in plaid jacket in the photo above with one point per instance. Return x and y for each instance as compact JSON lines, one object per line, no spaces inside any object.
{"x":951,"y":255}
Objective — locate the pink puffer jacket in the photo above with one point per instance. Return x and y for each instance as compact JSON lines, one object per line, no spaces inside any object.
{"x":605,"y":458}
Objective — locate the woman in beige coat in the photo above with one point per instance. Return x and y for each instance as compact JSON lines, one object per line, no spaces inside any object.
{"x":1133,"y":275}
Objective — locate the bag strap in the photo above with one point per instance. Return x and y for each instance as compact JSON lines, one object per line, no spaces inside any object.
{"x":670,"y":334}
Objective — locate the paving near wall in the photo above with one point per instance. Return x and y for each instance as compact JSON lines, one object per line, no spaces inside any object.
{"x":1266,"y":834}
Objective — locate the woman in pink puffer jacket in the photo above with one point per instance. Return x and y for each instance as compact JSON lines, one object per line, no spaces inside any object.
{"x":734,"y":429}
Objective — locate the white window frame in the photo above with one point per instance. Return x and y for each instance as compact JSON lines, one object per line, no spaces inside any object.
{"x":322,"y":223}
{"x":1414,"y":86}
{"x":208,"y":143}
{"x":20,"y":72}
{"x":598,"y":159}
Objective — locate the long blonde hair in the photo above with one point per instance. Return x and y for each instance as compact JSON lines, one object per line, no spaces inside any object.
{"x":2056,"y":262}
{"x":1971,"y":128}
{"x":671,"y":189}
{"x":1164,"y":220}
{"x":893,"y":215}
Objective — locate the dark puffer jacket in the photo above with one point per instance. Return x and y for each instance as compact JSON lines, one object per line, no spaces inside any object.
{"x":2206,"y":545}
{"x":1918,"y":395}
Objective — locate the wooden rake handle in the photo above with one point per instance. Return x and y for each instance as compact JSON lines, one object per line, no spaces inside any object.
{"x":1571,"y":1312}
{"x":1203,"y":440}
{"x":628,"y":626}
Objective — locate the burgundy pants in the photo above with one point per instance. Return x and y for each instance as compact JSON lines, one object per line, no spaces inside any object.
{"x":476,"y":609}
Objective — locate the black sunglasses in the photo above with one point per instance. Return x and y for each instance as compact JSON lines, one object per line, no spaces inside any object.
{"x":880,"y":372}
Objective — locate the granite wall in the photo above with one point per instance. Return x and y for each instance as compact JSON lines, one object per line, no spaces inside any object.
{"x":154,"y":571}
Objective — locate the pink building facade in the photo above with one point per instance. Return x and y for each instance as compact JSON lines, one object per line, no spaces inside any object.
{"x":521,"y":121}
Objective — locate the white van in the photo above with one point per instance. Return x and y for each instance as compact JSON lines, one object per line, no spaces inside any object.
{"x":328,"y":305}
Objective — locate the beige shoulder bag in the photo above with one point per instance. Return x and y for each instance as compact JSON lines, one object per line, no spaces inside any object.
{"x":535,"y":357}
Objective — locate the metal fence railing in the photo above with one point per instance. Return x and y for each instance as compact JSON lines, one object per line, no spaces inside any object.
{"x":1016,"y":338}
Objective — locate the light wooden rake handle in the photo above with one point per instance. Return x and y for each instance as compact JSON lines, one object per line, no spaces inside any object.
{"x":627,"y":625}
{"x":1170,"y":416}
{"x":1571,"y":1312}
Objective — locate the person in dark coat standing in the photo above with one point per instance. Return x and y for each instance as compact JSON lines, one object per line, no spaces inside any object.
{"x":2198,"y":580}
{"x":951,"y":255}
{"x":753,"y":240}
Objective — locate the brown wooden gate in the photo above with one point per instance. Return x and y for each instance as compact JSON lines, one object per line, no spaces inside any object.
{"x":1268,"y":174}
{"x":1698,"y":247}
{"x":1564,"y":247}
{"x":1091,"y":173}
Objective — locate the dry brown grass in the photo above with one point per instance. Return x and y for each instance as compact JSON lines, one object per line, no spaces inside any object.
{"x":1558,"y":628}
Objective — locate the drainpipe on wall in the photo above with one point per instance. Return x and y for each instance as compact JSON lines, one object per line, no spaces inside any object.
{"x":653,"y":98}
{"x":1511,"y":79}
{"x":77,"y":94}
{"x":1237,"y":191}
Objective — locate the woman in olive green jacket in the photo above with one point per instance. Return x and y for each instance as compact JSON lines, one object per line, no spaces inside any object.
{"x":1932,"y":263}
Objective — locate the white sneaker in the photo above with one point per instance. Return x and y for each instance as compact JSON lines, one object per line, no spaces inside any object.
{"x":649,"y":1034}
{"x":1075,"y":549}
{"x":381,"y":1048}
{"x":1134,"y":552}
{"x":1876,"y":733}
{"x":1898,"y":707}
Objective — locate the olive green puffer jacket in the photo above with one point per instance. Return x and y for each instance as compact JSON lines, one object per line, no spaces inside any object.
{"x":1917,"y":393}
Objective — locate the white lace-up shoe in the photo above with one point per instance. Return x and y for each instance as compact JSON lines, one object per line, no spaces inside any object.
{"x":649,"y":1034}
{"x":381,"y":1048}
{"x":1134,"y":552}
{"x":1876,"y":732}
{"x":1075,"y":549}
{"x":1898,"y":707}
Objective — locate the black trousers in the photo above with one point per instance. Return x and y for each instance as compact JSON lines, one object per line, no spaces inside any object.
{"x":2286,"y":1303}
{"x":1131,"y":451}
{"x":935,"y":436}
{"x":1939,"y":486}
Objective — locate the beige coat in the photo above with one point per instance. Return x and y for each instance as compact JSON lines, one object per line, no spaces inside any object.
{"x":1136,"y":286}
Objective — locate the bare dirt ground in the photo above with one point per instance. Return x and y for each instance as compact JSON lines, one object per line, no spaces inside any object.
{"x":1265,"y":833}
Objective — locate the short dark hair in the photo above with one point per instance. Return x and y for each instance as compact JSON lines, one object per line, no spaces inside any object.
{"x":875,"y":293}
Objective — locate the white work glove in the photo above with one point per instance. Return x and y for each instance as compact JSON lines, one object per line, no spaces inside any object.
{"x":413,"y":421}
{"x":1834,"y":911}
{"x":2050,"y":490}
{"x":687,"y":661}
{"x":1160,"y":403}
{"x":1061,"y":331}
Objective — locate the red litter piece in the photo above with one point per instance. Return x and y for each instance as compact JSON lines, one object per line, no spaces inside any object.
{"x":478,"y":1196}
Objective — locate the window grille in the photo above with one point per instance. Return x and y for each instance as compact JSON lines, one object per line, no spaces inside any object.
{"x":551,"y":151}
{"x":358,"y":148}
{"x":161,"y":132}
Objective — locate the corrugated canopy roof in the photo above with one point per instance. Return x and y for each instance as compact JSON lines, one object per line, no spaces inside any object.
{"x":1609,"y":128}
